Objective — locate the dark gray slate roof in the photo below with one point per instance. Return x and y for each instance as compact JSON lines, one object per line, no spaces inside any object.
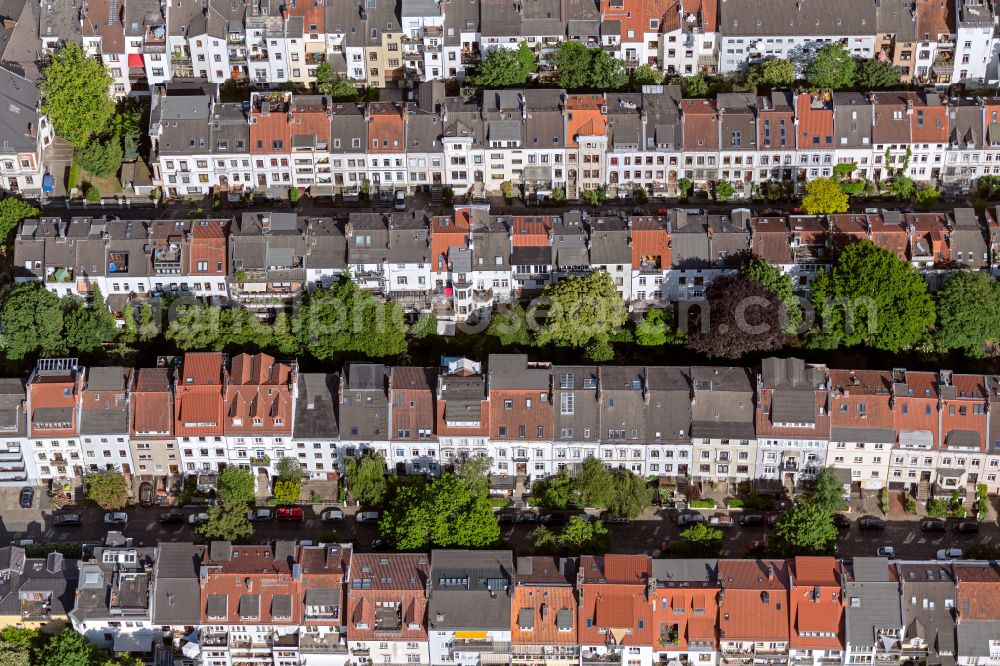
{"x":752,"y":18}
{"x":315,"y":406}
{"x":470,"y":590}
{"x":176,"y":589}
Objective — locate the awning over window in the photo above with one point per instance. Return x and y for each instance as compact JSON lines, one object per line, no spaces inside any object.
{"x":135,"y":60}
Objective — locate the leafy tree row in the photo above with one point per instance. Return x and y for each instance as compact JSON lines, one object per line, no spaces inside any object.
{"x":619,"y":491}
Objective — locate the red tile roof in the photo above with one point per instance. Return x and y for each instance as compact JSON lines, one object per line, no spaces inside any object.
{"x":411,"y":393}
{"x":258,"y":396}
{"x":754,"y":604}
{"x":584,"y":117}
{"x":545,"y":603}
{"x":395,"y":581}
{"x":151,"y":408}
{"x":387,"y":128}
{"x":929,"y":121}
{"x":978,"y":592}
{"x":650,"y":243}
{"x":861,"y":399}
{"x":770,"y":239}
{"x":700,"y":125}
{"x":815,"y":123}
{"x":816,"y":604}
{"x":531,"y":230}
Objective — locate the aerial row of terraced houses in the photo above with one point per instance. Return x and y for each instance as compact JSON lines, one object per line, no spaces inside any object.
{"x":461,"y":264}
{"x":774,"y":427}
{"x":292,"y":604}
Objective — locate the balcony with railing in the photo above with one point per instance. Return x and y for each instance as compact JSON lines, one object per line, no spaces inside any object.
{"x":315,"y":58}
{"x":328,"y":641}
{"x":480,"y":646}
{"x":600,"y":658}
{"x":214,"y":639}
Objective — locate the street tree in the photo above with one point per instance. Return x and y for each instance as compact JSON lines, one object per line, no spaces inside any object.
{"x":580,"y":310}
{"x":831,"y":67}
{"x":75,"y":95}
{"x":805,"y":529}
{"x":824,"y":196}
{"x":772,"y":73}
{"x":446,"y":513}
{"x":655,"y":331}
{"x":502,"y":68}
{"x":236,"y":485}
{"x":927,"y":196}
{"x":699,"y":540}
{"x":345,"y":318}
{"x":31,"y":321}
{"x":88,"y":328}
{"x":874,"y":298}
{"x":196,"y":327}
{"x":366,"y":478}
{"x":829,"y":491}
{"x":771,"y":278}
{"x":13,"y":211}
{"x":875,"y":74}
{"x":289,"y":469}
{"x":740,"y":317}
{"x":333,"y":84}
{"x":474,"y":472}
{"x":558,"y":491}
{"x":226,"y":522}
{"x":968,"y":312}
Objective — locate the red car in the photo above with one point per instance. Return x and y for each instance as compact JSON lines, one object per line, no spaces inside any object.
{"x":291,"y":513}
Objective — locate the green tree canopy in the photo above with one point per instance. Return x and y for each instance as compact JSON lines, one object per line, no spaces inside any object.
{"x":448,"y":512}
{"x":805,"y":529}
{"x":699,"y":540}
{"x":595,"y":483}
{"x":691,"y":86}
{"x":723,"y":190}
{"x":902,"y":187}
{"x":645,"y":75}
{"x":824,"y":197}
{"x":75,"y":95}
{"x":366,"y":478}
{"x":290,"y":469}
{"x":775,"y":282}
{"x":631,"y":496}
{"x":87,"y":328}
{"x":927,"y":196}
{"x":581,"y":310}
{"x":101,"y":158}
{"x":108,"y":490}
{"x":968,"y":311}
{"x":558,"y":491}
{"x":502,"y":68}
{"x":67,"y":648}
{"x":474,"y":472}
{"x":31,"y":319}
{"x":831,"y":67}
{"x":772,"y":73}
{"x":345,"y":318}
{"x":286,"y":491}
{"x":509,"y":323}
{"x":877,"y":74}
{"x":13,"y":211}
{"x":655,"y":330}
{"x":237,"y":485}
{"x":871,"y":297}
{"x":333,"y":84}
{"x":580,"y":67}
{"x":829,"y":491}
{"x":196,"y":327}
{"x":580,"y":536}
{"x":226,"y":522}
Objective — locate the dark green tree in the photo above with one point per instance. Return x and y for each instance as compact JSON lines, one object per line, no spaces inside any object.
{"x":596,"y":485}
{"x":645,"y":75}
{"x":31,"y":321}
{"x":631,"y":494}
{"x":775,"y":282}
{"x":691,"y":86}
{"x":344,"y":318}
{"x":101,"y":158}
{"x":699,"y":540}
{"x":226,"y":522}
{"x":67,"y":648}
{"x":366,"y":478}
{"x":196,"y":327}
{"x":829,"y":491}
{"x":968,"y":312}
{"x":831,"y":67}
{"x":877,"y":74}
{"x":88,"y":328}
{"x":13,"y":211}
{"x":902,"y":187}
{"x":289,"y":469}
{"x":872,"y":297}
{"x":573,"y":65}
{"x":723,"y":190}
{"x":509,"y":323}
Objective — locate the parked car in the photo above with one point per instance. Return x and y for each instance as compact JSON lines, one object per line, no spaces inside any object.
{"x":505,"y":518}
{"x":949,"y":554}
{"x":841,"y":521}
{"x":27,"y":497}
{"x":526,"y":517}
{"x":366,"y":516}
{"x":259,"y":515}
{"x":686,"y":519}
{"x":870,"y":523}
{"x":291,"y":513}
{"x":171,"y":518}
{"x":399,"y":201}
{"x":612,"y":519}
{"x":381,"y":544}
{"x":886,"y":551}
{"x":197,"y":518}
{"x":146,"y":493}
{"x":967,"y":527}
{"x":553,"y":518}
{"x":67,"y":520}
{"x":933,"y":525}
{"x":722,"y":520}
{"x":757,"y":547}
{"x":115,"y":518}
{"x":751,"y":520}
{"x":332,"y":516}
